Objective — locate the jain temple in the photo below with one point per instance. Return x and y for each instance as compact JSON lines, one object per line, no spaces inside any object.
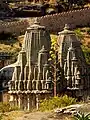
{"x":30,"y":80}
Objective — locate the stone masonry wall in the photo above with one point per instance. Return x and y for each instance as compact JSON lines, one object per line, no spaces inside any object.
{"x":14,"y":27}
{"x":74,"y":18}
{"x":53,"y":23}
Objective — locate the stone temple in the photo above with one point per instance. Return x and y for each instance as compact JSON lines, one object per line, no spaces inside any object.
{"x":31,"y":80}
{"x":75,"y":70}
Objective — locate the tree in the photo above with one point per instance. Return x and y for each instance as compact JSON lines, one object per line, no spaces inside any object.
{"x":54,"y":63}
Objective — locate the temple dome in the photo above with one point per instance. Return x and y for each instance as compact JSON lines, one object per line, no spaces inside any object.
{"x":36,"y":25}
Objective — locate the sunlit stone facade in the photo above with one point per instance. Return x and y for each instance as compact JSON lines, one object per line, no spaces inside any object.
{"x":31,"y":79}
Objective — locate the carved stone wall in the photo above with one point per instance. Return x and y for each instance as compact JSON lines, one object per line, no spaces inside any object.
{"x":31,"y":78}
{"x":75,"y":71}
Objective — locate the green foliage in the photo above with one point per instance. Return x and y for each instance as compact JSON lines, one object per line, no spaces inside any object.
{"x":5,"y":107}
{"x":88,"y":31}
{"x":56,"y":102}
{"x":53,"y":48}
{"x":79,"y":33}
{"x":86,"y":51}
{"x":13,"y":108}
{"x":82,"y":116}
{"x":1,"y":117}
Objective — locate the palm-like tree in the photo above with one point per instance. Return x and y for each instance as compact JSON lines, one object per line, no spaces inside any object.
{"x":82,"y":116}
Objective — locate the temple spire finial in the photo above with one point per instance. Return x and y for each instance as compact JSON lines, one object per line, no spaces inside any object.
{"x":66,"y":27}
{"x":36,"y":21}
{"x":43,"y":47}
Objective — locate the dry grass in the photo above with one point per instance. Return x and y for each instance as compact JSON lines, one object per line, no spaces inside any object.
{"x":26,"y":115}
{"x":12,"y":45}
{"x":12,"y":115}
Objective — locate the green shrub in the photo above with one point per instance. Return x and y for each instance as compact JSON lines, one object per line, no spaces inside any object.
{"x":88,"y":31}
{"x":82,"y":116}
{"x":13,"y":108}
{"x":5,"y":107}
{"x":79,"y":33}
{"x":56,"y":102}
{"x":1,"y":117}
{"x":86,"y":51}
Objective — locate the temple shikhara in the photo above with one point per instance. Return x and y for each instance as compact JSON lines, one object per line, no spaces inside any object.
{"x":31,"y":78}
{"x":75,"y":70}
{"x":30,"y":81}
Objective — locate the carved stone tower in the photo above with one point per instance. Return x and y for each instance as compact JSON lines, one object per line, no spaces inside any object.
{"x":73,"y":64}
{"x":31,"y":78}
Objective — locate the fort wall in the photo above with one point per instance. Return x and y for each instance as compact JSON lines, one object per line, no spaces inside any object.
{"x":14,"y":27}
{"x":74,"y":18}
{"x":53,"y":23}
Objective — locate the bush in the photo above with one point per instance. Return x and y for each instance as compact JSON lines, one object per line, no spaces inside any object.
{"x":79,"y":34}
{"x":88,"y":31}
{"x":56,"y":102}
{"x":5,"y":107}
{"x":1,"y":117}
{"x":86,"y":51}
{"x":81,"y":116}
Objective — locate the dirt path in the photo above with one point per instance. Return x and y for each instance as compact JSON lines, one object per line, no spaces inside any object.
{"x":21,"y":115}
{"x":42,"y":116}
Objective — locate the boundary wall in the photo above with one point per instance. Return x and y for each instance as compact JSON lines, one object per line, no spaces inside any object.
{"x":14,"y":27}
{"x":54,"y":23}
{"x":74,"y":18}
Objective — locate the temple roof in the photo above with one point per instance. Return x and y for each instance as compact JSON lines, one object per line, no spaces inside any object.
{"x":66,"y":30}
{"x":36,"y":25}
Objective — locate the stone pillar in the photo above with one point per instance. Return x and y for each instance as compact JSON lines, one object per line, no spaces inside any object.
{"x":15,"y":100}
{"x":45,"y":68}
{"x":21,"y":85}
{"x":17,"y":72}
{"x":22,"y":101}
{"x":19,"y":101}
{"x":26,"y":72}
{"x":65,"y":67}
{"x":25,"y":101}
{"x":38,"y":85}
{"x":25,"y":84}
{"x":37,"y":101}
{"x":35,"y":72}
{"x":34,"y":82}
{"x":29,"y":84}
{"x":16,"y":84}
{"x":43,"y":82}
{"x":28,"y":102}
{"x":33,"y":100}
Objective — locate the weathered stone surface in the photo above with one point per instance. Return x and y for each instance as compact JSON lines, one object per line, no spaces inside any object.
{"x":72,"y":109}
{"x":75,"y":70}
{"x":30,"y":78}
